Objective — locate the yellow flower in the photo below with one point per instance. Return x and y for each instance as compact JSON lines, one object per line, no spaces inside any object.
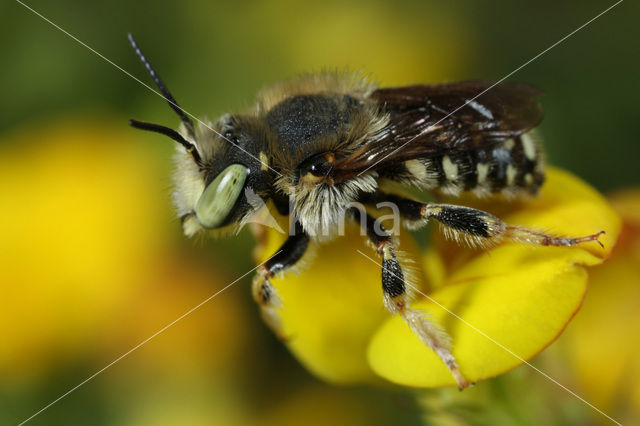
{"x":600,"y":348}
{"x":500,"y":306}
{"x":88,"y":260}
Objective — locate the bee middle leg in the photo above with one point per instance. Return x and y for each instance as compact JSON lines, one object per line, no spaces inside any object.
{"x":397,"y":300}
{"x":263,"y":291}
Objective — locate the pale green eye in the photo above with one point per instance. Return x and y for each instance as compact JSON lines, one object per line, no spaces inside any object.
{"x":219,"y":196}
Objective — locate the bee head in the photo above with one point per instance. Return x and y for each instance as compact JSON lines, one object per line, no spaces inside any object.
{"x":209,"y":184}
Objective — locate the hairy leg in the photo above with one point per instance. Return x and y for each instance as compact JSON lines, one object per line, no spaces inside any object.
{"x":475,"y":227}
{"x":397,"y":300}
{"x":479,"y":228}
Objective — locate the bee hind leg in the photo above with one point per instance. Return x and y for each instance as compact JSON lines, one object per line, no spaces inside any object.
{"x":397,"y":300}
{"x":479,"y":228}
{"x":475,"y":227}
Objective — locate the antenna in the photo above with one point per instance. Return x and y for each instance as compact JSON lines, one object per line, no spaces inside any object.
{"x":165,"y":92}
{"x":157,"y":128}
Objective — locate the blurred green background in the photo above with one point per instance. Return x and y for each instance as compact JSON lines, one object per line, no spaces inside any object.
{"x":214,"y":56}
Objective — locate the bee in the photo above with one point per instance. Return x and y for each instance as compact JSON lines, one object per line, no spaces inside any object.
{"x":315,"y":145}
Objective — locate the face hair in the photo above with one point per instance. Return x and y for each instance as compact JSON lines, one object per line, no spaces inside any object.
{"x":165,"y":92}
{"x":168,"y":132}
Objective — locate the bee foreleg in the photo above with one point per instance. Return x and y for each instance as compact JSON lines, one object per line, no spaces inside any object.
{"x":263,"y":291}
{"x":267,"y":298}
{"x":397,"y":300}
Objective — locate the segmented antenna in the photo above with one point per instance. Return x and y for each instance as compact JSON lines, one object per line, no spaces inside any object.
{"x":143,"y":125}
{"x":165,"y":92}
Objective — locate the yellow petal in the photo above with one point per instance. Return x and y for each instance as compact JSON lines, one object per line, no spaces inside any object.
{"x":604,"y":333}
{"x":330,"y":310}
{"x":513,"y":300}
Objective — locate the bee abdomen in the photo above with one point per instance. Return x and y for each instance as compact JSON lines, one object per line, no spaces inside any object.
{"x":512,"y":167}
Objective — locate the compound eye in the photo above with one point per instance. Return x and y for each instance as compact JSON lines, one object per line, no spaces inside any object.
{"x":219,"y":197}
{"x":316,"y":168}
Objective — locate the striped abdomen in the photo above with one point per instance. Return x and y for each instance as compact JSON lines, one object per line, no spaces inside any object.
{"x":513,"y":167}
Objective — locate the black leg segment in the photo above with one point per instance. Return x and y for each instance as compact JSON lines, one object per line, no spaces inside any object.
{"x":397,"y":300}
{"x":264,"y":293}
{"x":291,"y":251}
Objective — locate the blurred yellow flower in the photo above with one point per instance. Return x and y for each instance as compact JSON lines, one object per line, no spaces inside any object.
{"x":519,"y":296}
{"x":378,"y":39}
{"x":600,"y":348}
{"x":88,"y":263}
